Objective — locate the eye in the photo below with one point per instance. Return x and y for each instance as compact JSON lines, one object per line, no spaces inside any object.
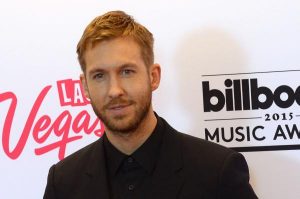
{"x":98,"y":76}
{"x":127,"y":72}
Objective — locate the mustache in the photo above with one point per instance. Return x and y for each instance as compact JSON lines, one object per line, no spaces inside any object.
{"x":118,"y":102}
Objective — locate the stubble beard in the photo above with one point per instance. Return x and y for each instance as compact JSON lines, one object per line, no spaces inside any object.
{"x":115,"y":125}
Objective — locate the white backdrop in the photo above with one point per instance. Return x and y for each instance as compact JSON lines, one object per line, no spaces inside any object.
{"x":195,"y":41}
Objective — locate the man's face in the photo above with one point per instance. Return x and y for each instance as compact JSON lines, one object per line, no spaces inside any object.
{"x":119,"y":84}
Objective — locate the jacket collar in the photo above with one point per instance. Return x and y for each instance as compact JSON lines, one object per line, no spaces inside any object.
{"x":166,"y":181}
{"x":96,"y":173}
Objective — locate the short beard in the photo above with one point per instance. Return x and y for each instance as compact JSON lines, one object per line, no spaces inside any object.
{"x":132,"y":125}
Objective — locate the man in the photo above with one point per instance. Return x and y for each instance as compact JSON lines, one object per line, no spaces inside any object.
{"x":140,"y":155}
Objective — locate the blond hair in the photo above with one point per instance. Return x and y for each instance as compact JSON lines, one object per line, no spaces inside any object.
{"x":111,"y":25}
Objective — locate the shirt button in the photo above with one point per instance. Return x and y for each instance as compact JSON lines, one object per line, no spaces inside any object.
{"x":130,"y":160}
{"x":131,"y":187}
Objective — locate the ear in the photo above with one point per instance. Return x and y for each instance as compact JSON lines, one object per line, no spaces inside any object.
{"x":84,"y":85}
{"x":155,"y":76}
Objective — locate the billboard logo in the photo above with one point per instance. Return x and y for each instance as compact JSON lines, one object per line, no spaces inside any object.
{"x":252,"y":111}
{"x":244,"y":94}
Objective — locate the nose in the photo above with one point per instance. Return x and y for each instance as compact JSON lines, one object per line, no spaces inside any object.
{"x":115,"y":89}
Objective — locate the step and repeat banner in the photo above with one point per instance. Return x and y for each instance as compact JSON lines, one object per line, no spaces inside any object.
{"x":230,"y":75}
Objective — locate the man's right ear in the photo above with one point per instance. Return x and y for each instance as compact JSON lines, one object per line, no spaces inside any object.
{"x":84,"y":85}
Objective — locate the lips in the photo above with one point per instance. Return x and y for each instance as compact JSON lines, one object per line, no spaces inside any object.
{"x":119,"y":110}
{"x":118,"y":106}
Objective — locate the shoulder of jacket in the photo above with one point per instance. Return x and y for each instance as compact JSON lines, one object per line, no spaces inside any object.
{"x":78,"y":157}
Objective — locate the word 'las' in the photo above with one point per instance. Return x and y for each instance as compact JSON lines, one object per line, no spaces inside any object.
{"x":71,"y":93}
{"x":41,"y":127}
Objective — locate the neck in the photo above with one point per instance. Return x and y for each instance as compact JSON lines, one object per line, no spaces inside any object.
{"x":131,"y":141}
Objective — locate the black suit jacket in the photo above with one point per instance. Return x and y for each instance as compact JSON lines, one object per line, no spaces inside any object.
{"x":187,"y":168}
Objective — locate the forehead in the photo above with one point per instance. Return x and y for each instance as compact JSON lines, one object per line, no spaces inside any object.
{"x":113,"y":52}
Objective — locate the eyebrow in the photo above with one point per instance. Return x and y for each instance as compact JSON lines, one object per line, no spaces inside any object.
{"x":95,"y":71}
{"x":125,"y":65}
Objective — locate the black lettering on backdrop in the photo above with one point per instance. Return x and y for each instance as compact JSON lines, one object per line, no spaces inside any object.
{"x":234,"y":101}
{"x":239,"y":134}
{"x":285,"y":131}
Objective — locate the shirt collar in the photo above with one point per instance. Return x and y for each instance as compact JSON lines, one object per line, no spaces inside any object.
{"x":113,"y":156}
{"x":145,"y":155}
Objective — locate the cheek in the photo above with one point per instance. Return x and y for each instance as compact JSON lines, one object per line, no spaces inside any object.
{"x":141,"y":90}
{"x":96,"y":94}
{"x":138,"y":87}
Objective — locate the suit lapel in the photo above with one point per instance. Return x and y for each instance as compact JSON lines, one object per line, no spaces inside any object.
{"x":165,"y":183}
{"x":96,"y":175}
{"x":167,"y":180}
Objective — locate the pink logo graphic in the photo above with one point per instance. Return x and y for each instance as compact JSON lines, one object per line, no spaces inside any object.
{"x":65,"y":127}
{"x":71,"y":93}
